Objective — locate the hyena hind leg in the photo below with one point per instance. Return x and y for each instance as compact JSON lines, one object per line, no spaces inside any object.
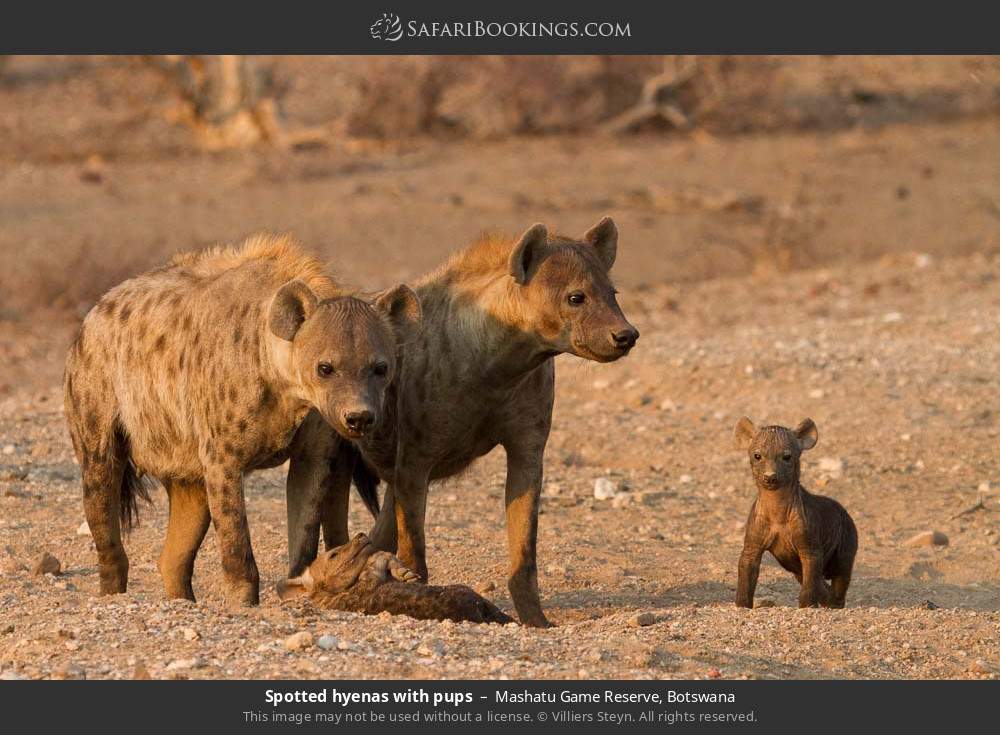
{"x":186,"y":529}
{"x":108,"y":484}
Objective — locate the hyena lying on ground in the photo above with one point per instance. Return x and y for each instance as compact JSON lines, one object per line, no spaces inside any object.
{"x":357,"y":577}
{"x":811,"y":536}
{"x":202,"y":370}
{"x":480,"y":373}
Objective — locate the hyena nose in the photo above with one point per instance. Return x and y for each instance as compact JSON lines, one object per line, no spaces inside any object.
{"x":625,"y":339}
{"x":359,"y":421}
{"x":770,"y":476}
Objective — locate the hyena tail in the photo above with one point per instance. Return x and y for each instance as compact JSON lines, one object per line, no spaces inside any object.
{"x":134,"y":487}
{"x":366,"y":482}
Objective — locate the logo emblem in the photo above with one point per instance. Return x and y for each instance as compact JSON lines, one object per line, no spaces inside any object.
{"x":387,"y":28}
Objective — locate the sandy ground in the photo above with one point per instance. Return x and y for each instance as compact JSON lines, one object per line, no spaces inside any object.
{"x":896,"y":363}
{"x":851,"y":275}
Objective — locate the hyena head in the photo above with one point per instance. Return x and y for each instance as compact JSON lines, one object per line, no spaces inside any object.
{"x":340,"y":568}
{"x":774,"y":451}
{"x":567,"y":292}
{"x":340,"y":353}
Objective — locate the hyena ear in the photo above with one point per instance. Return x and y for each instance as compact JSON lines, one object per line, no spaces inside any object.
{"x":807,"y":434}
{"x":743,"y":433}
{"x":401,"y":307}
{"x":526,"y":256}
{"x":294,"y":588}
{"x":604,"y":238}
{"x":292,"y":305}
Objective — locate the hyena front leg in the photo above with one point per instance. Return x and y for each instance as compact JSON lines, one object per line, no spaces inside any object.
{"x":383,"y":534}
{"x":224,"y":487}
{"x":314,"y":481}
{"x":524,"y":484}
{"x":189,"y":520}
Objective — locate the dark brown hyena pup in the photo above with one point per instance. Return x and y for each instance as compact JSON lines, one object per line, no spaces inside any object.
{"x":811,"y":536}
{"x":481,"y":374}
{"x":202,"y":370}
{"x":357,"y":577}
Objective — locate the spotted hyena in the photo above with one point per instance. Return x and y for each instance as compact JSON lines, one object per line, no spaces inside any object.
{"x":357,"y":577}
{"x":219,"y":363}
{"x":811,"y":536}
{"x":480,"y":373}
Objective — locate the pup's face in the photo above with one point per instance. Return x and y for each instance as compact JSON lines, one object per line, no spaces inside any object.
{"x":774,"y":451}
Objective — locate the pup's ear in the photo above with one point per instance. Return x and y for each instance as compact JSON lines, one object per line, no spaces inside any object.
{"x":604,"y":238}
{"x":743,"y":433}
{"x":526,"y":256}
{"x":807,"y":434}
{"x":292,"y":305}
{"x":294,"y":588}
{"x":402,"y":307}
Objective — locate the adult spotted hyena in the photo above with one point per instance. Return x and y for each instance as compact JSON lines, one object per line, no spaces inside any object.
{"x":219,"y":363}
{"x":480,"y":373}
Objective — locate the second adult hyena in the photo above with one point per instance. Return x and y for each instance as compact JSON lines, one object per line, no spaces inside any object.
{"x":219,"y":363}
{"x":480,"y":374}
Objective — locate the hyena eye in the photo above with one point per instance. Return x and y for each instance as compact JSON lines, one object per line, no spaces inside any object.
{"x":576,"y":298}
{"x":787,"y":456}
{"x":324,"y":369}
{"x":756,"y":455}
{"x":380,"y":369}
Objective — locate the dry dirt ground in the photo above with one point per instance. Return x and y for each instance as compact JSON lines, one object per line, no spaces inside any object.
{"x":851,"y":275}
{"x":896,"y":362}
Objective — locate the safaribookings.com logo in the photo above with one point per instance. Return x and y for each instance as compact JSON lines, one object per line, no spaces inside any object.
{"x":387,"y":28}
{"x":390,"y":28}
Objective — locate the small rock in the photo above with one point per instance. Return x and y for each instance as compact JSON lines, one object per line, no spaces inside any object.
{"x":182,"y":664}
{"x":47,"y":564}
{"x":92,"y":170}
{"x":327,"y":642}
{"x":431,"y":649}
{"x":816,"y":393}
{"x":685,"y":479}
{"x":892,"y":317}
{"x":621,"y":500}
{"x":831,"y":465}
{"x":83,"y":529}
{"x":7,"y":629}
{"x":641,"y":620}
{"x":9,"y":449}
{"x":980,"y":667}
{"x":299,"y":641}
{"x":927,"y":538}
{"x":140,"y":672}
{"x":190,"y":634}
{"x":984,"y":488}
{"x":714,"y":673}
{"x":764,"y":602}
{"x":347,"y":646}
{"x":601,"y":384}
{"x":668,"y":405}
{"x":487,"y":586}
{"x":604,"y":488}
{"x":553,"y":488}
{"x":70,"y":671}
{"x":651,"y":497}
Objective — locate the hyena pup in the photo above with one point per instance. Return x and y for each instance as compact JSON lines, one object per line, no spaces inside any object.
{"x":357,"y":577}
{"x":811,"y":536}
{"x":481,"y":374}
{"x":202,"y":370}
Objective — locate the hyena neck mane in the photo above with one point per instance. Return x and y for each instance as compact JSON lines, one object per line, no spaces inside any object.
{"x":473,"y":303}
